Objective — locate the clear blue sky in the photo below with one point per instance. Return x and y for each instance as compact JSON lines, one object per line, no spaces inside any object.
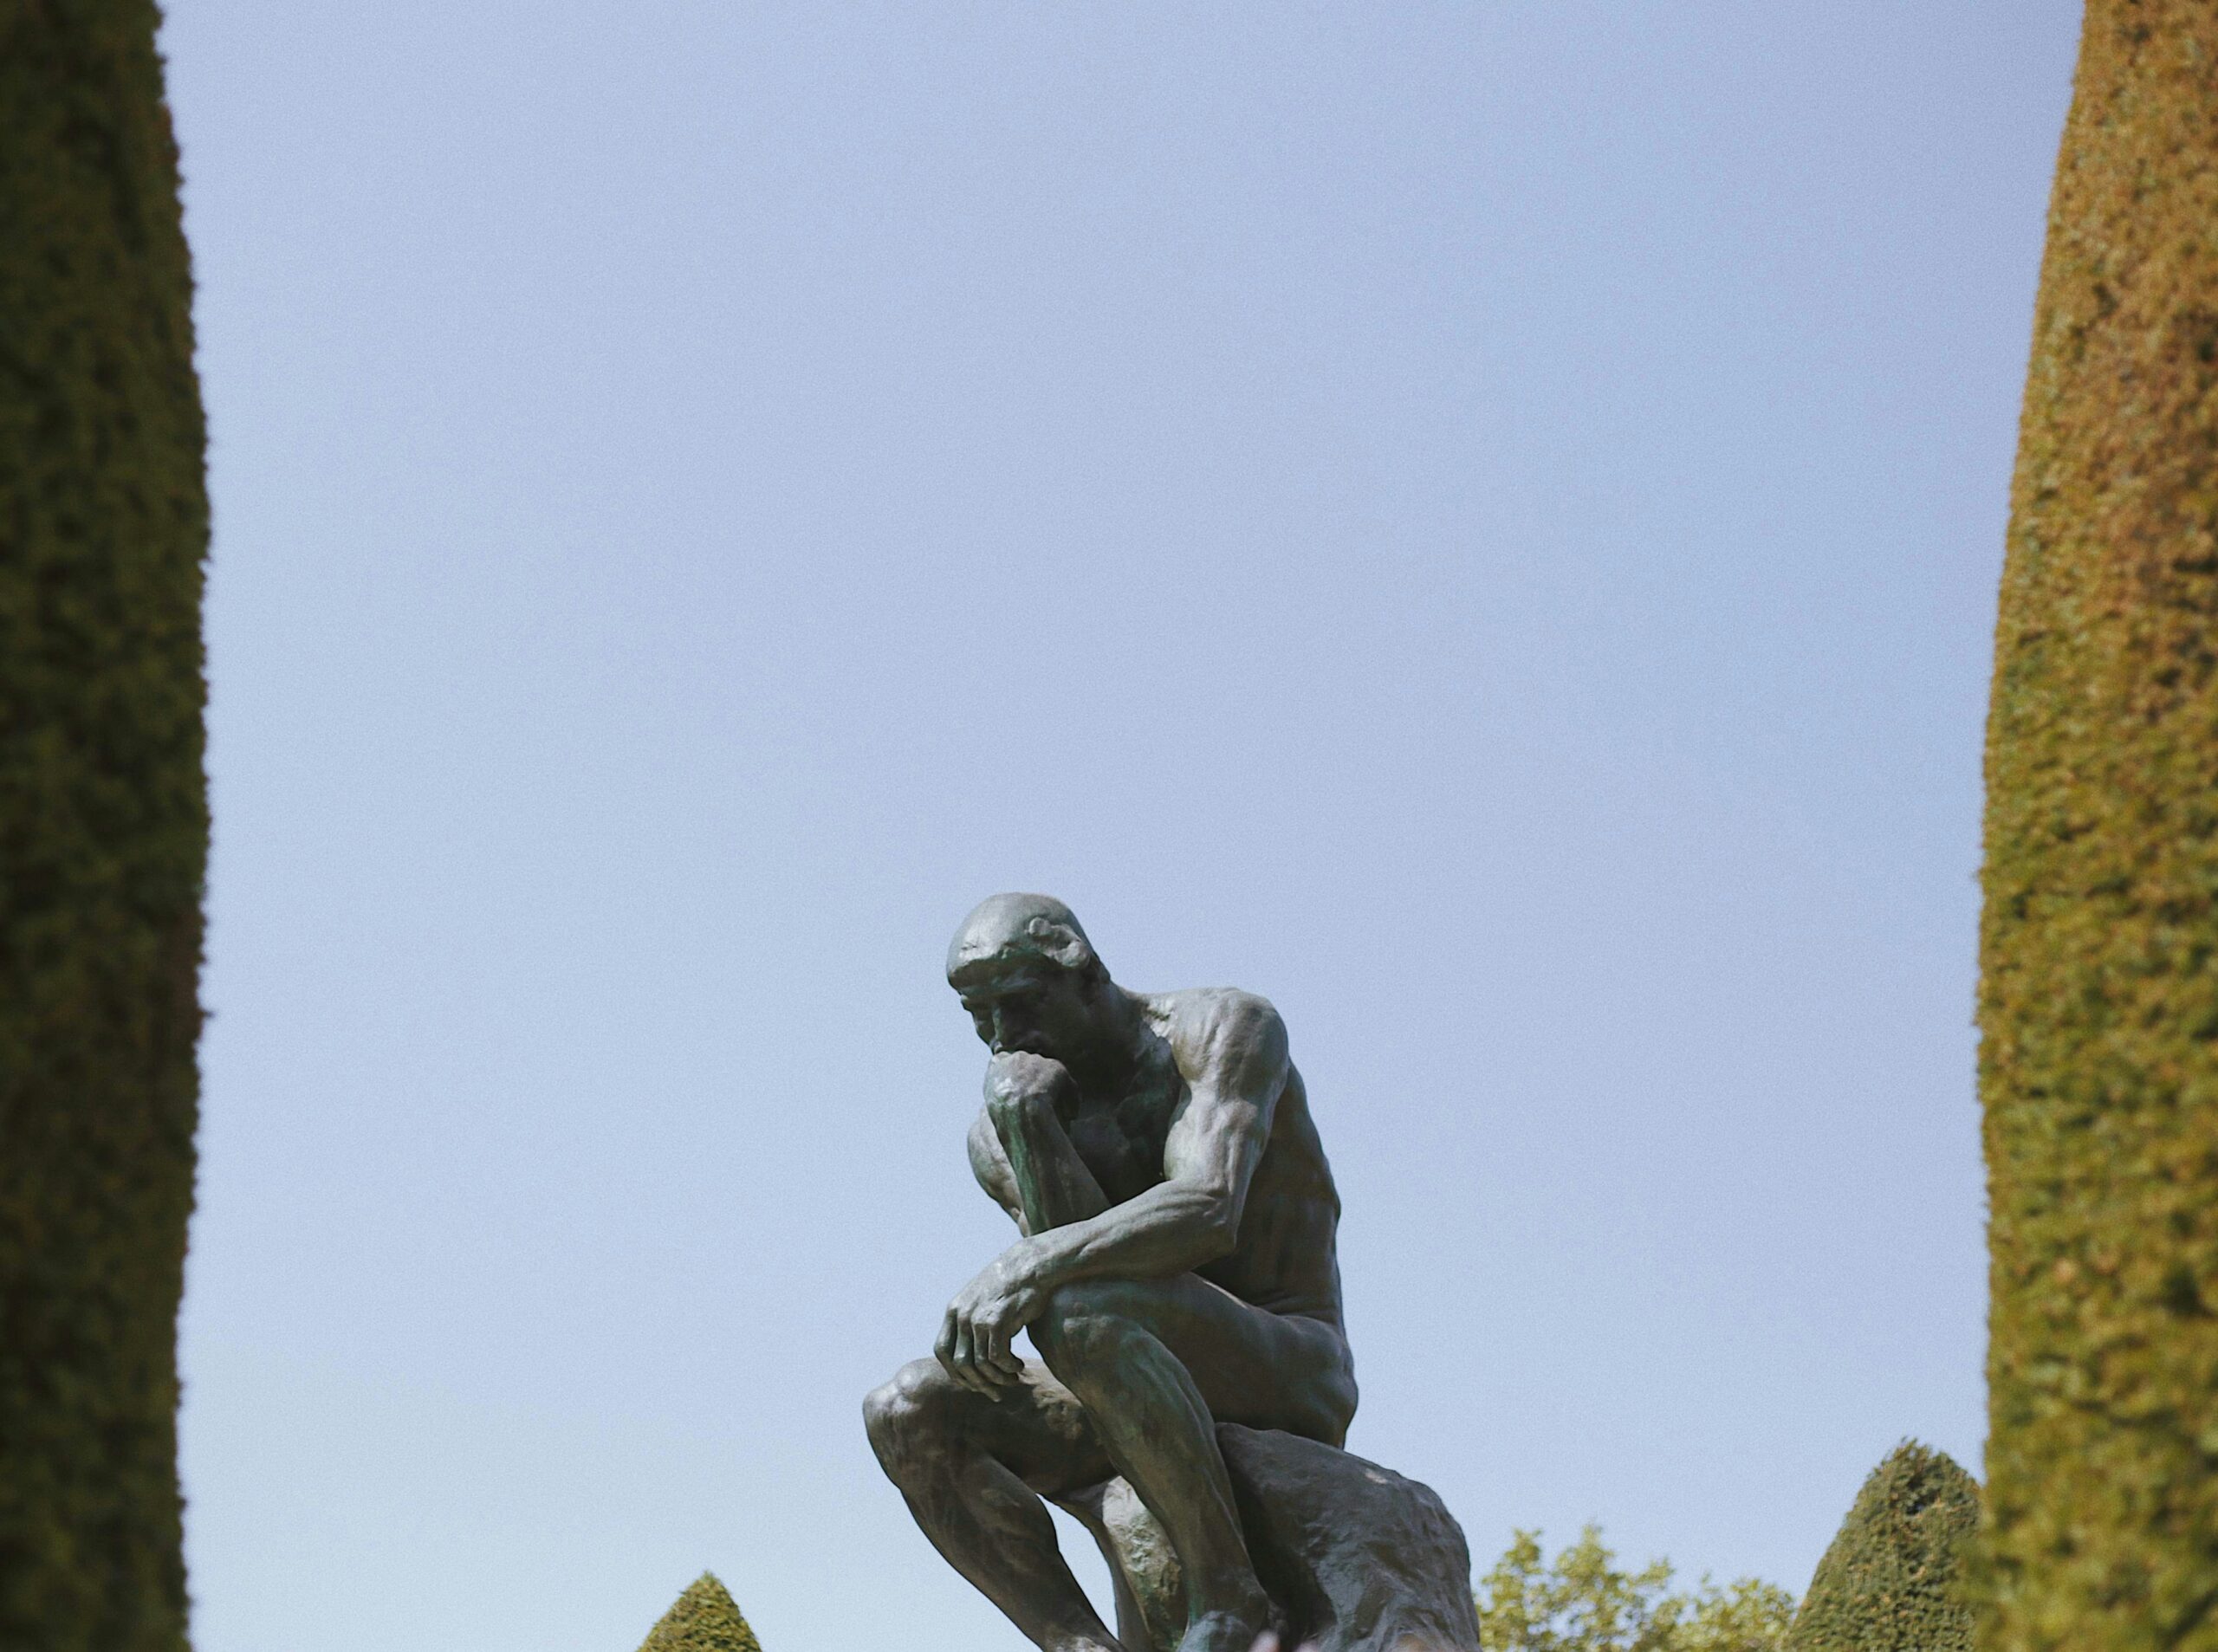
{"x":1478,"y":522}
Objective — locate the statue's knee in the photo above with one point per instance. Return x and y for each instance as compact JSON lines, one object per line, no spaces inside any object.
{"x":1083,"y":1323}
{"x":909,"y":1419}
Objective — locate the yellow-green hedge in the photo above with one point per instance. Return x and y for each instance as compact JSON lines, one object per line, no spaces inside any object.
{"x":2099,"y":996}
{"x":1892,"y":1580}
{"x":103,"y":826}
{"x":703,"y":1619}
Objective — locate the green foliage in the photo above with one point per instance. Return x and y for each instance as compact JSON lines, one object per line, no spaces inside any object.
{"x":2098,"y":990}
{"x":704,"y":1620}
{"x":1746,"y":1616}
{"x":1584,"y":1602}
{"x":103,"y":827}
{"x":1892,"y":1579}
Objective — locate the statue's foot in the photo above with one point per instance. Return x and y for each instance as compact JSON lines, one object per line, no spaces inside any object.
{"x":1226,"y":1632}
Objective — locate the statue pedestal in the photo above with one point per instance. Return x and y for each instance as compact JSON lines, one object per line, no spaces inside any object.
{"x":1355,"y":1558}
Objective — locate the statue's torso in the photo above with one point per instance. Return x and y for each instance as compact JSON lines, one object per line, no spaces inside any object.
{"x":1286,"y":1259}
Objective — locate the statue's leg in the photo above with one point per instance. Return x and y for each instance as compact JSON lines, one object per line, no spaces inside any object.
{"x":1157,"y":1363}
{"x":973,"y":1469}
{"x":1088,"y":1508}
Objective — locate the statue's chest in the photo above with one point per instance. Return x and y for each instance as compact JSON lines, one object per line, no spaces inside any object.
{"x":1123,"y":1144}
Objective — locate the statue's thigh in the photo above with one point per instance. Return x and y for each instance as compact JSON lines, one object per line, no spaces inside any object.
{"x":1268,"y":1371}
{"x":1038,"y":1431}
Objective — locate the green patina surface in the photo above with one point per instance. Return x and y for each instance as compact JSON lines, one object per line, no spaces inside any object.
{"x":2099,"y":995}
{"x":705,"y":1619}
{"x":1892,"y":1580}
{"x":103,"y":826}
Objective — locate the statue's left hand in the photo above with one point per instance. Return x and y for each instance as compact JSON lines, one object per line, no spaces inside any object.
{"x":974,"y":1337}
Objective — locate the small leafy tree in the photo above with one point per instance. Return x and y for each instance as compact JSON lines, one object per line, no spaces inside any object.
{"x":1747,"y":1615}
{"x":1585,"y":1602}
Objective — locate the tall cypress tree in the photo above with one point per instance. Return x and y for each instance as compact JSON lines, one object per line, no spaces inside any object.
{"x":103,"y":826}
{"x":2099,"y":996}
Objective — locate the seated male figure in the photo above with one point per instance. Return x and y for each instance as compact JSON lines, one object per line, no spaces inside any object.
{"x":1175,"y":1267}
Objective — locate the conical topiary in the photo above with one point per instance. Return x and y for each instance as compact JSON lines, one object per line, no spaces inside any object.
{"x":1892,"y":1579}
{"x":704,"y":1620}
{"x":2098,"y":956}
{"x":103,"y":827}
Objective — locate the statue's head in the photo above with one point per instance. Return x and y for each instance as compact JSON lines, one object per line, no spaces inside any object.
{"x":1029,"y":976}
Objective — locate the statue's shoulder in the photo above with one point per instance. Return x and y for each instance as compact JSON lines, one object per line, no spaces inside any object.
{"x":1204,"y":1019}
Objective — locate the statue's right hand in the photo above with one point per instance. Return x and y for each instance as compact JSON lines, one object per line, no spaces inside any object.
{"x":1018,"y":1080}
{"x":976,"y":1332}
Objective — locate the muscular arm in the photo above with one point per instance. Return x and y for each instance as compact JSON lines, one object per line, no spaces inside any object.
{"x":1235,"y":1067}
{"x":1020,"y":1151}
{"x":989,"y":1163}
{"x":1234,"y":1062}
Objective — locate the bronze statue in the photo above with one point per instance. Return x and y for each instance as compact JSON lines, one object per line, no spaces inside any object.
{"x":1176,"y":1268}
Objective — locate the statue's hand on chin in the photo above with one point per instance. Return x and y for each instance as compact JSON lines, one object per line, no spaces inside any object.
{"x":1017,"y":1078}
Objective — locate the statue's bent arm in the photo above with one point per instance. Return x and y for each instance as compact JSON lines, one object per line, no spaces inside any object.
{"x":1232,"y":1053}
{"x":989,"y":1163}
{"x":1234,"y":1065}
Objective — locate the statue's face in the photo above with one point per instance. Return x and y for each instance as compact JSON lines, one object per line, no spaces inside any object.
{"x":1028,"y":1004}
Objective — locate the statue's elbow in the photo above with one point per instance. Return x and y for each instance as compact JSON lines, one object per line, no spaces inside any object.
{"x":1219,"y":1230}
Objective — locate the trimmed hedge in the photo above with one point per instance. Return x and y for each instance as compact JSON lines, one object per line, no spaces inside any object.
{"x":2099,"y":994}
{"x":1892,"y":1579}
{"x":103,"y":827}
{"x":704,"y":1620}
